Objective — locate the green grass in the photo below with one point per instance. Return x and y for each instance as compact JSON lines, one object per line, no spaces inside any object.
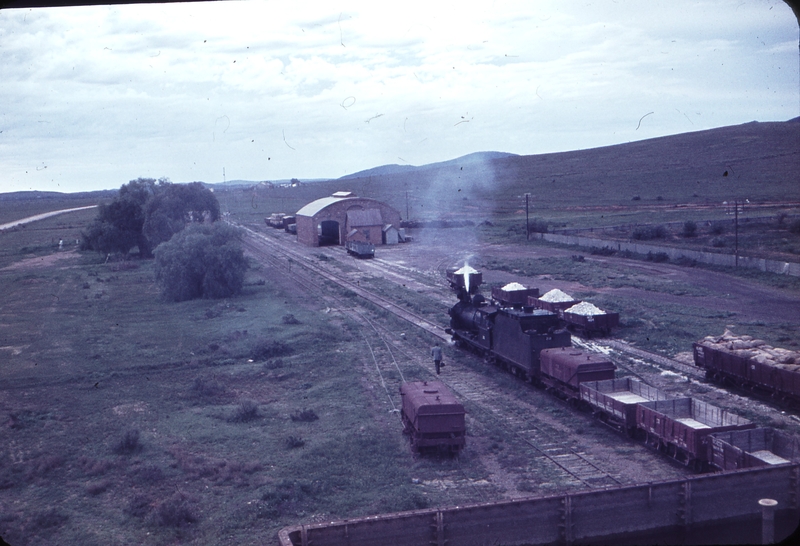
{"x":84,"y":367}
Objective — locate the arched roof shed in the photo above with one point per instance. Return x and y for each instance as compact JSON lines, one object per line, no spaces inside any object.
{"x":342,"y":217}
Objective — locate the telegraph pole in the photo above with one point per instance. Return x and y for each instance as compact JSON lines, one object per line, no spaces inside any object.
{"x":527,"y":225}
{"x":736,"y":230}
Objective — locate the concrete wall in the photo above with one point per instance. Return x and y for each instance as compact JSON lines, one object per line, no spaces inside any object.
{"x":772,"y":266}
{"x":580,"y":517}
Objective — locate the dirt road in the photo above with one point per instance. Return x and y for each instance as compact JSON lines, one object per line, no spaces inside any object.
{"x":42,"y":216}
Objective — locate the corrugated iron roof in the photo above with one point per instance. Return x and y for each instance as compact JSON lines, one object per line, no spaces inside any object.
{"x":315,"y":206}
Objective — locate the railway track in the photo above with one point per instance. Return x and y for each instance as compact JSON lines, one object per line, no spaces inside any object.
{"x":542,"y":442}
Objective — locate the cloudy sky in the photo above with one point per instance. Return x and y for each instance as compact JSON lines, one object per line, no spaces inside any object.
{"x":92,"y":97}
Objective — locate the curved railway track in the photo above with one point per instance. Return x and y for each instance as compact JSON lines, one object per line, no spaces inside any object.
{"x":543,"y":442}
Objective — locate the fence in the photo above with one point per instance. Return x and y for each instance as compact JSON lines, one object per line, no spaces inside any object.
{"x":727,"y":260}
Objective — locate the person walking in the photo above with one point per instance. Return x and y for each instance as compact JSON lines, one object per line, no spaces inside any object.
{"x":436,"y":353}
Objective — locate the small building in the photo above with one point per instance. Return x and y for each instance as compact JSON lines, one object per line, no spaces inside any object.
{"x":364,"y":225}
{"x":343,"y":216}
{"x":390,"y":235}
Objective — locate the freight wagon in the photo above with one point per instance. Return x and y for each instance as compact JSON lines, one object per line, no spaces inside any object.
{"x":565,"y":368}
{"x":432,"y":417}
{"x":513,"y":295}
{"x":680,"y":427}
{"x":591,"y":324}
{"x":749,"y":363}
{"x":360,"y":249}
{"x":614,"y":401}
{"x":752,"y":448}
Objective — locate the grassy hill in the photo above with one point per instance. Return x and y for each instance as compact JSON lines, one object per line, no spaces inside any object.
{"x":754,"y":161}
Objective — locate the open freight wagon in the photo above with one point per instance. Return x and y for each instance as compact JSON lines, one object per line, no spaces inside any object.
{"x":614,"y":401}
{"x":680,"y":427}
{"x":752,"y":448}
{"x":748,"y":363}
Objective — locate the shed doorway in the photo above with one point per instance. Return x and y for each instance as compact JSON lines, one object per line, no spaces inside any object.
{"x":328,"y":231}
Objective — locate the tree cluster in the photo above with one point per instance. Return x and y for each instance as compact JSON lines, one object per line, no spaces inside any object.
{"x":196,"y":257}
{"x":147,"y":213}
{"x":201,"y":261}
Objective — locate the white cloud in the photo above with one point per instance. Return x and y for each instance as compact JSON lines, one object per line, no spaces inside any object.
{"x":101,"y":95}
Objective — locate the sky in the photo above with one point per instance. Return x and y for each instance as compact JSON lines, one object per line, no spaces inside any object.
{"x":94,"y":96}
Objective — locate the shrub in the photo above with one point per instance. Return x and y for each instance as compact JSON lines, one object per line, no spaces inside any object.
{"x":138,"y":506}
{"x":293,"y":442}
{"x":794,"y":226}
{"x":289,"y":319}
{"x":95,"y":488}
{"x":175,"y":511}
{"x":605,"y":251}
{"x":201,"y":261}
{"x":717,"y":228}
{"x":718,"y":242}
{"x":536,"y":225}
{"x":636,"y":198}
{"x":265,"y":350}
{"x":657,"y":257}
{"x":305,"y":416}
{"x":207,"y":387}
{"x":246,"y":411}
{"x":647,"y":233}
{"x":128,"y":444}
{"x":689,"y":229}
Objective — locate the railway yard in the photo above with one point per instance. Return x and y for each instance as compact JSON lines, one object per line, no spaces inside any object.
{"x":133,"y":420}
{"x":520,"y":439}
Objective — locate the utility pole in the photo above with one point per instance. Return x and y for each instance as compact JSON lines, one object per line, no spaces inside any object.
{"x":223,"y":175}
{"x":736,"y":231}
{"x":527,"y":224}
{"x":407,"y":217}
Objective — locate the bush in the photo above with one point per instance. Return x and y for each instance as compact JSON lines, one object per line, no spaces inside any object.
{"x":265,"y":350}
{"x":246,"y":411}
{"x":201,"y":261}
{"x":293,"y":442}
{"x":605,"y":251}
{"x":128,"y":444}
{"x":305,"y":416}
{"x":657,"y":257}
{"x":794,"y":226}
{"x":207,"y":387}
{"x":289,"y":319}
{"x":689,"y":229}
{"x":648,"y":233}
{"x":717,"y":228}
{"x":537,"y":226}
{"x":718,"y":242}
{"x":174,"y":512}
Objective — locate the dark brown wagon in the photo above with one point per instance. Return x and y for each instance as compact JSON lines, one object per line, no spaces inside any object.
{"x":680,"y":427}
{"x":432,"y":417}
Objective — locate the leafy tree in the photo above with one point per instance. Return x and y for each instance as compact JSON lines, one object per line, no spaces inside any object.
{"x":118,"y":225}
{"x":146,"y":213}
{"x":689,"y":228}
{"x":176,"y":205}
{"x":201,"y":261}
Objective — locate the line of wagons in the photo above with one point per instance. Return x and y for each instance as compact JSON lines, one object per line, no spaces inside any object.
{"x":534,"y":345}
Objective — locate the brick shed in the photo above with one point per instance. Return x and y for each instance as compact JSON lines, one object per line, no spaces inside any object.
{"x":343,"y":216}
